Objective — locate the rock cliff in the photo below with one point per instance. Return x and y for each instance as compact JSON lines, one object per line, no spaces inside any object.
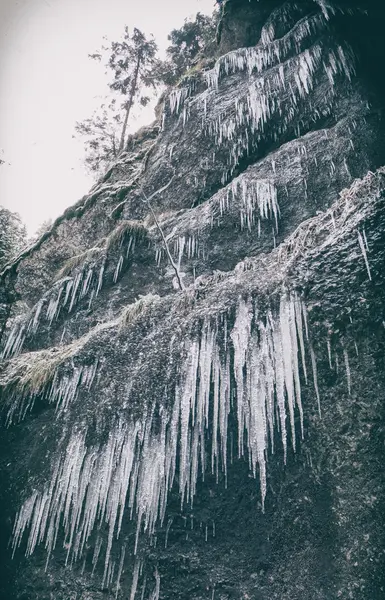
{"x":192,"y":383}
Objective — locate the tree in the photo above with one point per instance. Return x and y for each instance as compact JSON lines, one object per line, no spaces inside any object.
{"x":196,"y":37}
{"x":43,"y":227}
{"x":131,"y":62}
{"x":13,"y":235}
{"x":135,"y":71}
{"x":101,"y":134}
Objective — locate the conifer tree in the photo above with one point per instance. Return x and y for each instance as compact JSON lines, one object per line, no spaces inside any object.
{"x":194,"y":39}
{"x":130,"y":62}
{"x":13,"y":235}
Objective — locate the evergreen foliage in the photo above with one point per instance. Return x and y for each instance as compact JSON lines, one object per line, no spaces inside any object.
{"x":136,"y":72}
{"x":13,"y":235}
{"x":194,"y":40}
{"x":131,"y":63}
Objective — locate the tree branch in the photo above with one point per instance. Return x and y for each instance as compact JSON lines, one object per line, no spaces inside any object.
{"x":170,"y":258}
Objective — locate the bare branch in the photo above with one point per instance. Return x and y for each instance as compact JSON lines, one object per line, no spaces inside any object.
{"x":170,"y":258}
{"x":162,"y":189}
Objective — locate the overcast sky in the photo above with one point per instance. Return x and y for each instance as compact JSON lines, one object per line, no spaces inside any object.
{"x":47,"y":83}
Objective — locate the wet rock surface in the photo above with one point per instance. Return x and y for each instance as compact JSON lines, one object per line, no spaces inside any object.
{"x":226,"y":440}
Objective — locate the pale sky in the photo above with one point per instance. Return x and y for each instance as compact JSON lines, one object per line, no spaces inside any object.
{"x":47,"y":83}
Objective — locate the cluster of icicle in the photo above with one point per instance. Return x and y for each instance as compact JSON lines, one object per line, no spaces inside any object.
{"x":263,"y":56}
{"x":177,"y":98}
{"x":266,"y":54}
{"x":258,"y":198}
{"x":287,"y":67}
{"x":132,"y":472}
{"x":61,"y":392}
{"x":64,"y":295}
{"x":259,"y":104}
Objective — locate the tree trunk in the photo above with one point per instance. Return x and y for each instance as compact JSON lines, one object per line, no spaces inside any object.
{"x":130,"y":101}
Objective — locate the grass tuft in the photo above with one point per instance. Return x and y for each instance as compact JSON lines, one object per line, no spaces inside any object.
{"x":77,"y":260}
{"x":133,"y":311}
{"x":136,"y":229}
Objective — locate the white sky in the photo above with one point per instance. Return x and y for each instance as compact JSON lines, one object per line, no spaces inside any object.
{"x":47,"y":83}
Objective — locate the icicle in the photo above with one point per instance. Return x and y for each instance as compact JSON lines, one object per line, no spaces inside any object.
{"x":315,"y":378}
{"x":34,"y":323}
{"x":118,"y":268}
{"x":329,"y":353}
{"x":348,"y":373}
{"x":286,"y":340}
{"x":363,"y":247}
{"x":53,"y":307}
{"x":75,"y":286}
{"x":135,"y":577}
{"x":86,"y":283}
{"x":240,"y":336}
{"x":100,"y":279}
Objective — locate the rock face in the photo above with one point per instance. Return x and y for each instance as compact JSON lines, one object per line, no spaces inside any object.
{"x":212,"y":427}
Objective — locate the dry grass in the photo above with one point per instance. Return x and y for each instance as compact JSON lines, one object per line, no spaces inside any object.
{"x":31,"y":373}
{"x":77,"y":260}
{"x":128,"y":227}
{"x":133,"y":311}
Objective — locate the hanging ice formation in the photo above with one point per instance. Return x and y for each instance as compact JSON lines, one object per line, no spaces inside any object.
{"x":177,"y":98}
{"x":259,"y":105}
{"x":364,"y":247}
{"x":86,"y":282}
{"x":134,"y":469}
{"x":267,"y":53}
{"x":61,"y":391}
{"x":258,"y":198}
{"x":65,"y":294}
{"x":288,"y":68}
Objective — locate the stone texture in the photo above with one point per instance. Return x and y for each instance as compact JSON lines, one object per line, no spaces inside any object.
{"x":221,"y":156}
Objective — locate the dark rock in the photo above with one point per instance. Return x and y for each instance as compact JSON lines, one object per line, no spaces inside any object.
{"x":122,"y":394}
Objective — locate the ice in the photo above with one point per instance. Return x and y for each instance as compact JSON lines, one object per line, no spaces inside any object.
{"x":64,"y":389}
{"x":348,"y":372}
{"x":363,"y":247}
{"x":15,"y":340}
{"x":265,"y":55}
{"x":177,"y":98}
{"x":118,"y":268}
{"x":258,"y":198}
{"x":135,"y":577}
{"x":315,"y":378}
{"x":133,"y":470}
